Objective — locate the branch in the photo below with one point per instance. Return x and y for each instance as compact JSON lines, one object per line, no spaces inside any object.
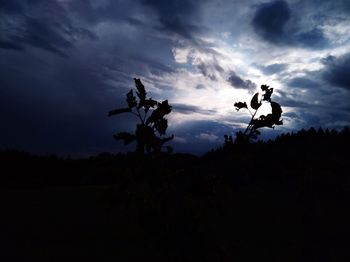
{"x":253,"y":115}
{"x":250,"y":112}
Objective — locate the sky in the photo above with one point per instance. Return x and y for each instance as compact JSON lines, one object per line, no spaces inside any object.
{"x":65,"y":63}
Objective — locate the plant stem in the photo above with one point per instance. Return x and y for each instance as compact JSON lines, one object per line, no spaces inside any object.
{"x":253,"y":115}
{"x":139,"y":115}
{"x":146,"y":112}
{"x":250,"y":112}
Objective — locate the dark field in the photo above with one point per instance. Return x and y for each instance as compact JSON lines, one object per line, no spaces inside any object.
{"x":286,"y":200}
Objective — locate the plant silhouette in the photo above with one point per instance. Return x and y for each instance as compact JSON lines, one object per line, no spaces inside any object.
{"x":269,"y":120}
{"x":152,"y":127}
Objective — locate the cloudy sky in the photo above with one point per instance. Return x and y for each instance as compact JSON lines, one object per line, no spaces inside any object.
{"x":65,"y":63}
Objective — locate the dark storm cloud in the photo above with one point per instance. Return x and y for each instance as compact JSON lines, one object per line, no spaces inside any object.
{"x":328,"y":60}
{"x":94,"y":12}
{"x":53,"y":31}
{"x":12,"y":6}
{"x":238,"y":82}
{"x":319,"y":105}
{"x":288,"y":100}
{"x":134,"y":21}
{"x":310,"y":118}
{"x":270,"y":19}
{"x":177,"y":16}
{"x":190,"y":109}
{"x":336,"y":6}
{"x":60,"y":107}
{"x":204,"y":70}
{"x":200,"y":86}
{"x":302,"y":82}
{"x":277,"y":23}
{"x":337,"y":71}
{"x":10,"y":46}
{"x":40,"y":34}
{"x":210,"y":70}
{"x":312,"y":39}
{"x":290,"y":115}
{"x":272,"y":69}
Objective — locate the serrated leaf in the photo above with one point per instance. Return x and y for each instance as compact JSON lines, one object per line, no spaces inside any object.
{"x":279,"y":122}
{"x":126,"y":137}
{"x":161,"y":125}
{"x":240,"y":105}
{"x":151,"y":102}
{"x":141,"y":92}
{"x":119,"y":111}
{"x":276,"y":109}
{"x":267,"y":95}
{"x":131,"y":99}
{"x":263,"y":121}
{"x":270,"y":120}
{"x":264,"y":87}
{"x":148,"y":103}
{"x":254,"y":103}
{"x":162,"y":109}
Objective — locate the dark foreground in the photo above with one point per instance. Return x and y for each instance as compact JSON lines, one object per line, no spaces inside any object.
{"x":282,"y":201}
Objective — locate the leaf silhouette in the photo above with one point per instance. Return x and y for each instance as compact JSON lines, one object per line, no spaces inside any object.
{"x":141,"y":92}
{"x":126,"y":137}
{"x":254,"y":103}
{"x":264,"y":87}
{"x":161,"y":125}
{"x":270,"y":120}
{"x":262,"y":121}
{"x":240,"y":105}
{"x":119,"y":111}
{"x":276,"y":109}
{"x":131,"y":99}
{"x":162,"y":109}
{"x":268,"y":93}
{"x":148,"y":103}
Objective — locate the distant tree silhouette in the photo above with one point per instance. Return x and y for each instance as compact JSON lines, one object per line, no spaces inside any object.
{"x":270,"y":120}
{"x":151,"y":129}
{"x":318,"y":138}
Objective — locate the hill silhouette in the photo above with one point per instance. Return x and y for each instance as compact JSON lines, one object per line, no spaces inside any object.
{"x":284,"y":200}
